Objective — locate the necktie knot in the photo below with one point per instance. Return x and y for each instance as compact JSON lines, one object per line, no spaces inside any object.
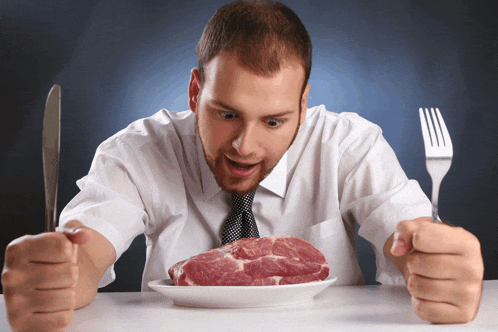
{"x":241,"y":203}
{"x":241,"y":222}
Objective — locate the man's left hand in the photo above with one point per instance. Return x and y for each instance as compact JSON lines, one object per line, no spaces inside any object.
{"x":443,"y":269}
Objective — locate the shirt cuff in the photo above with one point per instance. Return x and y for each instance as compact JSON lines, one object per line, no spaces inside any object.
{"x":387,"y":272}
{"x":110,"y":233}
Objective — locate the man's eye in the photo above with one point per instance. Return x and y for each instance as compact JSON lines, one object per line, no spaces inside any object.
{"x":227,"y":115}
{"x":274,"y":122}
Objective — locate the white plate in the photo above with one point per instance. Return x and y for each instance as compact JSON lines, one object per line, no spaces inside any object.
{"x":240,"y":296}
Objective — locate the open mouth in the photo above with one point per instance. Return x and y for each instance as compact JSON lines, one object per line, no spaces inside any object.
{"x":241,"y":166}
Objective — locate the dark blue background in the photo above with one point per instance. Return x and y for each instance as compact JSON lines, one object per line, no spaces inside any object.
{"x":118,"y":61}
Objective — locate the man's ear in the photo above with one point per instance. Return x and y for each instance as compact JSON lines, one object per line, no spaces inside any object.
{"x":194,"y":88}
{"x":304,"y":104}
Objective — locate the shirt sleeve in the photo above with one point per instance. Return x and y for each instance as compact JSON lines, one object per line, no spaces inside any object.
{"x":377,"y":194}
{"x":109,"y":201}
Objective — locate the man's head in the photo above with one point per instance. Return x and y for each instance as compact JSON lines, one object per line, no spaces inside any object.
{"x":250,"y":90}
{"x":263,"y":34}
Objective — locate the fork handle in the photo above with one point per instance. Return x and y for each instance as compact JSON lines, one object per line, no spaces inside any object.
{"x":435,"y":197}
{"x":437,"y":168}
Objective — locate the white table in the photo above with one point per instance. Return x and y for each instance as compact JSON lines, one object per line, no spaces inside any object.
{"x":354,"y":308}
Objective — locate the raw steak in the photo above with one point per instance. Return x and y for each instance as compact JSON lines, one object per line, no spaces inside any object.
{"x":253,"y":262}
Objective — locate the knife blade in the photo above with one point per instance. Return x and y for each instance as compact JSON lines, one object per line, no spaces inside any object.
{"x":50,"y":153}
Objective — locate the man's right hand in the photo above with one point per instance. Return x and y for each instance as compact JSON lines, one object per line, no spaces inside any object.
{"x":39,"y":279}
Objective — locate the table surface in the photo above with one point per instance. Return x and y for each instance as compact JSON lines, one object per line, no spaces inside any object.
{"x":351,"y":308}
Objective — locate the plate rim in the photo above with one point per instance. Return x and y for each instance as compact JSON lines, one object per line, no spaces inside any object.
{"x":328,"y":280}
{"x":217,"y":297}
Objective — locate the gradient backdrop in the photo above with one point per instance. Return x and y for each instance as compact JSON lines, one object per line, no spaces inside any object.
{"x":118,"y":61}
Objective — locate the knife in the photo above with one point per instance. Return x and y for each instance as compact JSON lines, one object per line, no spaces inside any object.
{"x":50,"y":153}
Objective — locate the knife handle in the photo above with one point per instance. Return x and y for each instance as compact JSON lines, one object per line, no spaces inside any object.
{"x":49,"y":220}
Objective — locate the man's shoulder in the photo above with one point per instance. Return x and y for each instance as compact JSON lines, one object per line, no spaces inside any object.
{"x":157,"y":127}
{"x":342,"y":122}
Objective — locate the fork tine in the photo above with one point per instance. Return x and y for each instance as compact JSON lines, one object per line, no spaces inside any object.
{"x":445,"y":133}
{"x":431,"y":128}
{"x":425,"y":130}
{"x":437,"y":128}
{"x":438,"y":156}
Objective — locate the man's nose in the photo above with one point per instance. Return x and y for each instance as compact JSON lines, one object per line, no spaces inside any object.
{"x":246,"y":142}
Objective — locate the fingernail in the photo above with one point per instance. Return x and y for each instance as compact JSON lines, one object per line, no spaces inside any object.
{"x":399,"y":248}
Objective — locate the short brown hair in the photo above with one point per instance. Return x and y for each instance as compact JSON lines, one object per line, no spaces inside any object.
{"x":261,"y":33}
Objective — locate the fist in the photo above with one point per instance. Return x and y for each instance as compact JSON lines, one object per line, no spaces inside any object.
{"x":39,"y":279}
{"x":443,"y":269}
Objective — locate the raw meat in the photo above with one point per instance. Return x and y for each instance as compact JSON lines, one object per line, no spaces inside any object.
{"x":253,"y":262}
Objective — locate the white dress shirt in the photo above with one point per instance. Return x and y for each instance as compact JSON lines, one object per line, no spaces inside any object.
{"x":152,"y":178}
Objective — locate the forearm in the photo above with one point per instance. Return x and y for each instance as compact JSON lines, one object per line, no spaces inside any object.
{"x":86,"y":288}
{"x":93,"y":258}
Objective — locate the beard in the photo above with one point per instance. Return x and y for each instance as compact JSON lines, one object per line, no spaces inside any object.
{"x":229,"y":182}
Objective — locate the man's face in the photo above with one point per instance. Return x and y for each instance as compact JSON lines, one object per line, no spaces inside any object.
{"x":245,"y":122}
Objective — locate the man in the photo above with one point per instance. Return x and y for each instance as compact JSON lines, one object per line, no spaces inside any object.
{"x":314,"y":174}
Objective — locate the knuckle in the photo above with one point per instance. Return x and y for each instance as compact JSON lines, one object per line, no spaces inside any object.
{"x":63,"y":320}
{"x":13,"y":253}
{"x":477,"y":243}
{"x":432,"y":313}
{"x":17,"y":312}
{"x":56,"y":321}
{"x":418,"y":308}
{"x":464,"y":315}
{"x":475,"y":275}
{"x":428,"y":312}
{"x":467,"y":316}
{"x":471,"y":294}
{"x":424,"y":312}
{"x":15,"y":321}
{"x":413,"y":284}
{"x":13,"y":248}
{"x":14,"y":301}
{"x":473,"y":272}
{"x":474,"y":244}
{"x":11,"y":278}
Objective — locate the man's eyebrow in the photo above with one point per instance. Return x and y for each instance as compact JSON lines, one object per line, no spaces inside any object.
{"x":221,"y":104}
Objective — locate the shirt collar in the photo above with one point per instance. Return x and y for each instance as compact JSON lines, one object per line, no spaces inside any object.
{"x":275,"y":182}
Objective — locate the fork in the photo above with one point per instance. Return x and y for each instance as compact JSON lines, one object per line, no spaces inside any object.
{"x":438,"y":152}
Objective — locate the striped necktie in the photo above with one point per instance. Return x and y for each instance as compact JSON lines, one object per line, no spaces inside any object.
{"x":241,"y":223}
